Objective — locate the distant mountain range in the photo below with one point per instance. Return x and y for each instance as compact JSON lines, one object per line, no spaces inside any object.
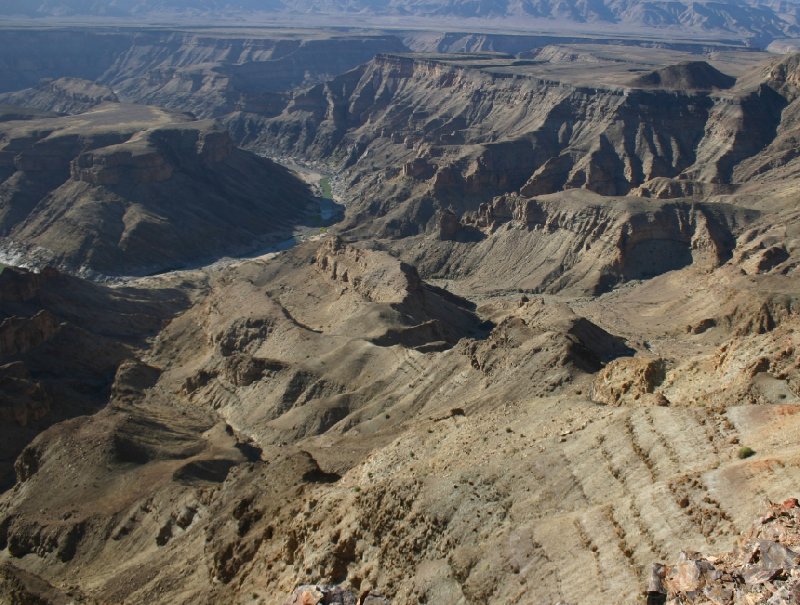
{"x":757,"y":19}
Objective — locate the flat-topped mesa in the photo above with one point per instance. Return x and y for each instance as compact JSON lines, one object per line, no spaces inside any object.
{"x":62,"y":95}
{"x":144,"y":158}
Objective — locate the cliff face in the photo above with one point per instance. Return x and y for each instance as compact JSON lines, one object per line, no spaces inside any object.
{"x":586,"y":242}
{"x":126,"y":189}
{"x":213,"y":76}
{"x":61,"y":341}
{"x":482,"y":132}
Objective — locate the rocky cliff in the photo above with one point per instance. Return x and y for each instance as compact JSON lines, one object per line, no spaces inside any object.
{"x":577,"y":241}
{"x":61,"y":341}
{"x":482,"y":130}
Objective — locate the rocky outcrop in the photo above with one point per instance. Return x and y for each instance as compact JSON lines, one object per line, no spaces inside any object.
{"x":432,"y":316}
{"x":315,"y":594}
{"x":19,"y":335}
{"x":377,"y":277}
{"x":630,"y":380}
{"x":418,"y":169}
{"x":115,"y":166}
{"x":548,"y":342}
{"x":764,"y":567}
{"x":449,"y":225}
{"x":665,"y":188}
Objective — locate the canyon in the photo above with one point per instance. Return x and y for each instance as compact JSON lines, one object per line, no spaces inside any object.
{"x":552,"y":341}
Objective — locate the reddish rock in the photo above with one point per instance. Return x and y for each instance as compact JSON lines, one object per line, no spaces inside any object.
{"x":317,"y":594}
{"x":764,"y":568}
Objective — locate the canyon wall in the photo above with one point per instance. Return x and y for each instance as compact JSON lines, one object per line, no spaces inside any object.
{"x":206,"y":74}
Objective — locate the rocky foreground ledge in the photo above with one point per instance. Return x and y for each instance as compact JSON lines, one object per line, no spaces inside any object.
{"x":313,"y":594}
{"x":763,"y":568}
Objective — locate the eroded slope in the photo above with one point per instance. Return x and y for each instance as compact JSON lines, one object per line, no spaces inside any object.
{"x":325,"y":415}
{"x":125,"y":189}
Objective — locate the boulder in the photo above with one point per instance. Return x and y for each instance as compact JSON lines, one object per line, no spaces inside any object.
{"x":320,"y":594}
{"x":630,"y":380}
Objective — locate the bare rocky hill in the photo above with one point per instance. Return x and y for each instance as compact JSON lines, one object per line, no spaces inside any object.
{"x":695,"y":75}
{"x":125,"y":189}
